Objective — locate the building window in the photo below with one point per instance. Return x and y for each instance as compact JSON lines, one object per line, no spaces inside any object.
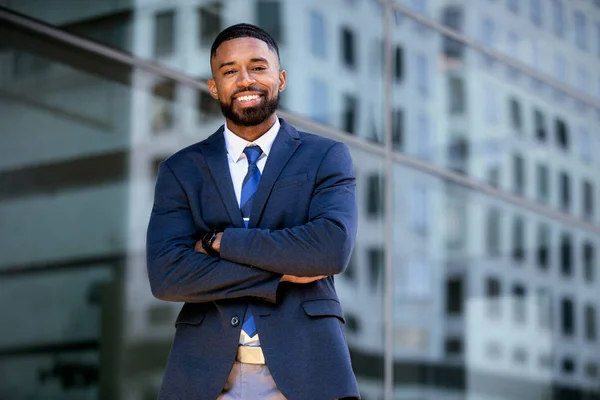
{"x":598,"y":39}
{"x":516,"y":117}
{"x":348,"y":48}
{"x":454,"y":346}
{"x":350,"y":271}
{"x":543,"y":246}
{"x":210,"y":22}
{"x":543,"y":183}
{"x":398,"y":129}
{"x":453,"y":18}
{"x":519,"y":304}
{"x":375,"y":197}
{"x":518,"y":239}
{"x":513,"y":47}
{"x":589,"y":262}
{"x":565,"y":191}
{"x":585,"y":146}
{"x":558,"y":18}
{"x":590,"y":323}
{"x":544,"y":308}
{"x":349,"y":114}
{"x":160,"y":314}
{"x":493,"y":176}
{"x":560,"y":68}
{"x":568,"y":317}
{"x":535,"y":12}
{"x":458,"y":154}
{"x":454,"y":296}
{"x":268,"y":14}
{"x":376,"y":263}
{"x":493,"y":293}
{"x":318,"y":101}
{"x":520,"y":356}
{"x":163,"y":109}
{"x":493,"y":232}
{"x":490,"y":103}
{"x":422,"y":72}
{"x":562,"y":134}
{"x":591,"y":370}
{"x":518,"y":174}
{"x":566,"y":254}
{"x":423,"y":138}
{"x":568,"y":366}
{"x":513,"y":6}
{"x":419,"y":209}
{"x":352,"y":324}
{"x":588,"y":200}
{"x":164,"y":33}
{"x":398,"y":63}
{"x":456,"y":221}
{"x":487,"y":38}
{"x":540,"y":125}
{"x":318,"y":34}
{"x":456,"y":95}
{"x":208,"y":107}
{"x":580,"y":26}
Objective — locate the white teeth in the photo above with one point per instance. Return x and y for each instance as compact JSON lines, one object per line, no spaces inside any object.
{"x":248,"y":98}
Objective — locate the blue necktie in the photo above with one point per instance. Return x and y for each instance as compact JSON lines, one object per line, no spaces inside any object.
{"x":249,"y":187}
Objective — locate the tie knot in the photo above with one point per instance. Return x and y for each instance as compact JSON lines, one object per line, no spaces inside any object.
{"x":252,"y":154}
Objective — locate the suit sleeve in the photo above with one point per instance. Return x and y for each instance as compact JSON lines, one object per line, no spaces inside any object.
{"x":323,"y":245}
{"x":179,"y":273}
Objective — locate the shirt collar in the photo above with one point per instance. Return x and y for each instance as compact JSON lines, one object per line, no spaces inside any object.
{"x":235,"y":145}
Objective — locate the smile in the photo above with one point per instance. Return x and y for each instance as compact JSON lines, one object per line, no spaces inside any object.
{"x":245,"y":99}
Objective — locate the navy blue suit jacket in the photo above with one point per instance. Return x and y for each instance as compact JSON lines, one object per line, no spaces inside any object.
{"x":303,"y":223}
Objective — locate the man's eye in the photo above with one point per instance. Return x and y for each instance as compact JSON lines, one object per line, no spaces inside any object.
{"x":259,"y":68}
{"x":228,"y":72}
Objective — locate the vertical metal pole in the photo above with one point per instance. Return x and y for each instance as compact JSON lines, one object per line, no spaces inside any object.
{"x":388,"y":355}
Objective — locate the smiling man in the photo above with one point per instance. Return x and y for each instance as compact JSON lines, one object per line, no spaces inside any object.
{"x":248,"y":229}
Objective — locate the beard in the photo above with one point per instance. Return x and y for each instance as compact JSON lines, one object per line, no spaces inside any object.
{"x":251,"y":116}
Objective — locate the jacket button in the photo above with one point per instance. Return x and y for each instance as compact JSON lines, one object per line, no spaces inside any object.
{"x":235,"y":321}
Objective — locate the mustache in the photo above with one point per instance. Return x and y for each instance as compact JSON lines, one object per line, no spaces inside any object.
{"x":250,"y":89}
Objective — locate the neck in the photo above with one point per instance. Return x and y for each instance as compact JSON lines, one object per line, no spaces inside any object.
{"x":251,"y":133}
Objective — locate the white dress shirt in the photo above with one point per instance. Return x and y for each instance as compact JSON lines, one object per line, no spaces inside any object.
{"x":238,"y":167}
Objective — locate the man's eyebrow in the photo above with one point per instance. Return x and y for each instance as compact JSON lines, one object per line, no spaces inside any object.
{"x":259,"y":59}
{"x":226,"y":64}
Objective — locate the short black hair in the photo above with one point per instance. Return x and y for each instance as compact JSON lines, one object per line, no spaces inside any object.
{"x":241,"y":31}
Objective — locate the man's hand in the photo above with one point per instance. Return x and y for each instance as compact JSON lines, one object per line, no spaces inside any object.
{"x":301,"y":279}
{"x":216,"y":244}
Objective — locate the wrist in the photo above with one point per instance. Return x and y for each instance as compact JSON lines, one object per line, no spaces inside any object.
{"x":207,"y":243}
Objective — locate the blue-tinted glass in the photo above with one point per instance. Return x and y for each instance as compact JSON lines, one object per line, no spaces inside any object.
{"x":598,"y":39}
{"x":422,"y":72}
{"x":535,"y":12}
{"x":580,"y":27}
{"x":513,"y":5}
{"x":318,"y":100}
{"x":558,"y":17}
{"x":318,"y":34}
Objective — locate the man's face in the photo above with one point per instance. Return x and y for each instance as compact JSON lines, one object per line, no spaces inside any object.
{"x":246,"y":80}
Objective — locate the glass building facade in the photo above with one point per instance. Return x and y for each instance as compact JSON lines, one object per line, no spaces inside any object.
{"x":473,"y":126}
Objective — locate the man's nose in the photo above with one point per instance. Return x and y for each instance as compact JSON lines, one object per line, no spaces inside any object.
{"x":245,"y":79}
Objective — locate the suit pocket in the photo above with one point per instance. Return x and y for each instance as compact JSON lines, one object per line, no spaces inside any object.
{"x":323,"y":308}
{"x":190,"y":315}
{"x":290,"y":181}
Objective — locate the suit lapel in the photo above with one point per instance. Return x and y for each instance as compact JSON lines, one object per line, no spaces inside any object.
{"x":284,"y":146}
{"x":215,"y":154}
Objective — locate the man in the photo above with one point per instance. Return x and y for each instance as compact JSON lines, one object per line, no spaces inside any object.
{"x":248,"y":228}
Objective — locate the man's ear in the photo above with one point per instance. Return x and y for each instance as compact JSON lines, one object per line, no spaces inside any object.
{"x":282,"y":80}
{"x":212,"y":88}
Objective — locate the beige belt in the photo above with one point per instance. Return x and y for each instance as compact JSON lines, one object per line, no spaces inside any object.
{"x":250,"y":355}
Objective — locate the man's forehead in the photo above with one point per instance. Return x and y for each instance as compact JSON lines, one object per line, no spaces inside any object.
{"x":246,"y":47}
